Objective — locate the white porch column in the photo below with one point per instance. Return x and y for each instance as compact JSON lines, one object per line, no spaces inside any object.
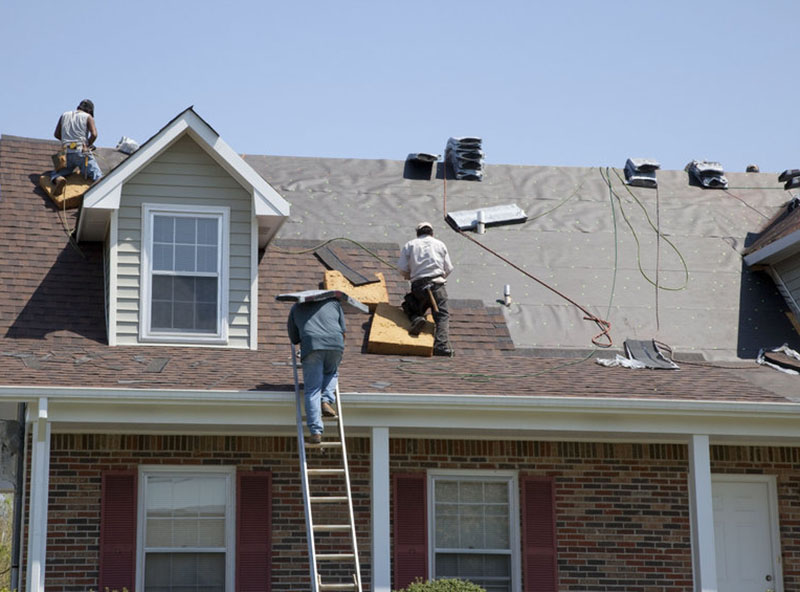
{"x":40,"y":471}
{"x":381,"y":545}
{"x":704,"y":563}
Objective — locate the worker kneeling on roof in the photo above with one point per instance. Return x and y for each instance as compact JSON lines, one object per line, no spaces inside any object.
{"x":426,"y":262}
{"x":77,"y":132}
{"x":319,"y":328}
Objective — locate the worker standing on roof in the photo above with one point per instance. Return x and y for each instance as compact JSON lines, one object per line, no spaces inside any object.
{"x":426,"y":262}
{"x":77,"y":132}
{"x":319,"y":328}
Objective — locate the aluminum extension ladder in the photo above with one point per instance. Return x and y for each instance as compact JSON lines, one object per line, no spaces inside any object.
{"x":334,"y":533}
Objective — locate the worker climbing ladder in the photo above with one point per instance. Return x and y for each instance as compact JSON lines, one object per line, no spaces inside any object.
{"x":332,"y":544}
{"x":317,"y":494}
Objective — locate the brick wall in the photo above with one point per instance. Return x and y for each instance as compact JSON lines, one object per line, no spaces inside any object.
{"x":78,"y":461}
{"x":621,"y":509}
{"x":622,"y":516}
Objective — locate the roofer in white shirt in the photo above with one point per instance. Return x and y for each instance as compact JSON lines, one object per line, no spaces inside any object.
{"x":426,"y":262}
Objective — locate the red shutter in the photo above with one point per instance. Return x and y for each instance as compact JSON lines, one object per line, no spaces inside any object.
{"x":410,"y":529}
{"x":118,"y":531}
{"x":539,"y":569}
{"x":253,"y":532}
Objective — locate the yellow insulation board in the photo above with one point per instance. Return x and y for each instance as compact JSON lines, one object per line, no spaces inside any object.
{"x":72,"y":194}
{"x":389,"y":333}
{"x":369,"y":294}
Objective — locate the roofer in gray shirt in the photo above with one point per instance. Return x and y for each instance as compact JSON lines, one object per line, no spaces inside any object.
{"x":426,"y":262}
{"x":319,"y":328}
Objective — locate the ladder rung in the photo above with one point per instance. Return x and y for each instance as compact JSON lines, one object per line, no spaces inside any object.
{"x":331,"y":527}
{"x":349,"y":586}
{"x":325,"y":471}
{"x":324,"y":444}
{"x":335,"y":556}
{"x":330,"y":499}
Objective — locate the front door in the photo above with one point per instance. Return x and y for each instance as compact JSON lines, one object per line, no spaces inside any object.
{"x":745,"y":533}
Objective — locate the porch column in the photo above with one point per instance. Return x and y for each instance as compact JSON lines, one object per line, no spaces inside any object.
{"x":40,"y":481}
{"x":704,"y":563}
{"x":381,"y":545}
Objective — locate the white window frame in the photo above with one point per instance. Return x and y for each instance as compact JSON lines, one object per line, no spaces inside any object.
{"x":515,"y":542}
{"x":230,"y":514}
{"x":220,"y":336}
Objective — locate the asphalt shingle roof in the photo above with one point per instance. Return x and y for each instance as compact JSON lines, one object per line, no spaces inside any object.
{"x":52,"y":326}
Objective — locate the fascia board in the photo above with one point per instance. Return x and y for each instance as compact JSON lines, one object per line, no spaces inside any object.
{"x":776,"y":251}
{"x":273,"y":204}
{"x":436,"y":415}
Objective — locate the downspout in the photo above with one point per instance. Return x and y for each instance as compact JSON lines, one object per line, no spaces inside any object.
{"x":16,"y":538}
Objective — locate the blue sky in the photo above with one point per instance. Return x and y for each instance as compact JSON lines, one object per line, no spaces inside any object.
{"x":578,"y":83}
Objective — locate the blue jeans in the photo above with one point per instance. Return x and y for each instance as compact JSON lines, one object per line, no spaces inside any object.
{"x":320,"y":377}
{"x":89,"y":167}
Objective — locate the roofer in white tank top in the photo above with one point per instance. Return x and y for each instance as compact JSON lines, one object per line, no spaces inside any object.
{"x":77,"y":132}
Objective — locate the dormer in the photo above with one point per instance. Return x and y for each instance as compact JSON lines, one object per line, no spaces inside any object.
{"x":182,"y":220}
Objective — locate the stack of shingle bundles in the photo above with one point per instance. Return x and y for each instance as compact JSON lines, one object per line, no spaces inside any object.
{"x":641,"y":172}
{"x":708,"y":174}
{"x":790,"y":178}
{"x":466,"y":158}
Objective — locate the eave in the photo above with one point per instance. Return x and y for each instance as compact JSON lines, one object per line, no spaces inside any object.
{"x":451,"y":416}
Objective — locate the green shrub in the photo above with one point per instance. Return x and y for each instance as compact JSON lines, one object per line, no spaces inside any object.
{"x":444,"y":585}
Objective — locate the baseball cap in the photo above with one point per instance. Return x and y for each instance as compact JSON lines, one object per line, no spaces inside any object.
{"x":422,"y":225}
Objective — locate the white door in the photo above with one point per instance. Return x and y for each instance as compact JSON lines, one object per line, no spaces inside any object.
{"x":745,"y":533}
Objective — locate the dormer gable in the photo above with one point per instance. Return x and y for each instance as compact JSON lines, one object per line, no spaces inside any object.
{"x":182,"y":220}
{"x":270,"y":208}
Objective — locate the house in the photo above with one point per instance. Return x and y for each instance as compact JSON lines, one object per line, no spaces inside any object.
{"x":156,"y":379}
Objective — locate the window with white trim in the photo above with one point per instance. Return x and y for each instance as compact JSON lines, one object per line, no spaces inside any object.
{"x":186,"y":530}
{"x":474,"y":529}
{"x":184,"y":285}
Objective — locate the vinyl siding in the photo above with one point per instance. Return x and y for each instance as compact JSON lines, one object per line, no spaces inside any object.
{"x":789,"y":272}
{"x":183,"y":175}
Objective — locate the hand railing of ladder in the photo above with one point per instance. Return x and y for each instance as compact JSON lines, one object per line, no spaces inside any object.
{"x":317,"y":585}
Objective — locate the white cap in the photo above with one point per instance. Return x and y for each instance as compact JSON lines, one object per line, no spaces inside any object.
{"x":422,"y":225}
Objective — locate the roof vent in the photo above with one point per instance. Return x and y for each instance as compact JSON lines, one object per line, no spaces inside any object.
{"x":707,"y":173}
{"x":790,"y":178}
{"x":466,"y":158}
{"x":641,"y":172}
{"x":423,"y":157}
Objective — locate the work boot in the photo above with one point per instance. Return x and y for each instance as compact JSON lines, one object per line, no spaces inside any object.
{"x":58,"y":185}
{"x":416,"y":326}
{"x":315,"y":439}
{"x":328,"y":410}
{"x":443,"y":351}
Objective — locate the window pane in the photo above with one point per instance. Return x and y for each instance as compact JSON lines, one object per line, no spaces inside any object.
{"x":184,"y":289}
{"x":206,"y":317}
{"x":446,"y":491}
{"x":163,"y":229}
{"x":184,"y":572}
{"x":496,"y":492}
{"x":162,"y":287}
{"x":471,"y":492}
{"x":207,"y":259}
{"x":161,"y":315}
{"x":162,"y":256}
{"x":185,"y":230}
{"x":183,"y":315}
{"x":207,"y":290}
{"x":493,"y":572}
{"x":447,"y":532}
{"x":497,"y":533}
{"x":185,"y":258}
{"x":207,"y":231}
